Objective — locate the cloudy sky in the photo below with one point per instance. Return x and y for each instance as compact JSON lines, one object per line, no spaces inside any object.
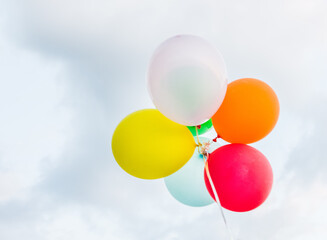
{"x":71,"y":70}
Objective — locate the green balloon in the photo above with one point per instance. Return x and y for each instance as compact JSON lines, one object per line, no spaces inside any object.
{"x":204,"y":128}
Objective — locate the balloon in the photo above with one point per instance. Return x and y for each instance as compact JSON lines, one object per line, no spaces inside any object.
{"x":242,"y":177}
{"x":187,"y":184}
{"x":148,"y":145}
{"x":203,"y":129}
{"x":187,"y":79}
{"x":249,"y":112}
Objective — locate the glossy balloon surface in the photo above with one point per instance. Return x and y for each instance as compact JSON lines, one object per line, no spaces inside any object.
{"x":249,"y":112}
{"x":242,"y":177}
{"x":187,"y":184}
{"x":148,"y":145}
{"x":187,"y":79}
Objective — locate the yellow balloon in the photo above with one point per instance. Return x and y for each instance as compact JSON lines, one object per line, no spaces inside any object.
{"x":148,"y":145}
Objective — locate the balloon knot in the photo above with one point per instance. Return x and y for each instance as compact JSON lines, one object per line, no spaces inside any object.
{"x":198,"y":126}
{"x":204,"y":148}
{"x":215,"y":139}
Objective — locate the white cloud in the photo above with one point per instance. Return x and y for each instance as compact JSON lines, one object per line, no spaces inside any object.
{"x":71,"y":70}
{"x":33,"y":118}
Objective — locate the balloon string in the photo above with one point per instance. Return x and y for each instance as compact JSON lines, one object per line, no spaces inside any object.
{"x":205,"y":158}
{"x":216,"y":196}
{"x":197,"y":137}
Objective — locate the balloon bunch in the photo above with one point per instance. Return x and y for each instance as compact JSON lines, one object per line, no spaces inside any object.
{"x":187,"y":81}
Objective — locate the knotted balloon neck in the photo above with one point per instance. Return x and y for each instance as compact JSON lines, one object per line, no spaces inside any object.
{"x":204,"y":148}
{"x":215,"y":139}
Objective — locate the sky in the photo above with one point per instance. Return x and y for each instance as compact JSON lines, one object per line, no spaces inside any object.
{"x":71,"y":70}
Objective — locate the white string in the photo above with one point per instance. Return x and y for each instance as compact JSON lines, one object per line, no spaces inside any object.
{"x":216,"y":197}
{"x":205,"y":158}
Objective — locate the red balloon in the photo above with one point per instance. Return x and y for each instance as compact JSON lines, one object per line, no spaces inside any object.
{"x":241,"y":175}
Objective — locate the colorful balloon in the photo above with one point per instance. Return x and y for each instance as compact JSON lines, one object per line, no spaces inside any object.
{"x":248,"y":113}
{"x":148,"y":145}
{"x":242,"y":177}
{"x":205,"y":127}
{"x":187,"y":79}
{"x":187,"y":184}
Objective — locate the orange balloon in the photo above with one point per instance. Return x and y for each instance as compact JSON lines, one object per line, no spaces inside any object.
{"x":248,"y":113}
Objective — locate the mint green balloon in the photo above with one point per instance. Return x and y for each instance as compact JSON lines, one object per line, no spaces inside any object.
{"x":204,"y":128}
{"x":187,"y":184}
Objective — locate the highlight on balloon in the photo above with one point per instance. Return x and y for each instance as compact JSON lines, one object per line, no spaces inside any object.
{"x":187,"y":82}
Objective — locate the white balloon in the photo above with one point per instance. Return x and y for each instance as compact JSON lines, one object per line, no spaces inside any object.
{"x":187,"y":79}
